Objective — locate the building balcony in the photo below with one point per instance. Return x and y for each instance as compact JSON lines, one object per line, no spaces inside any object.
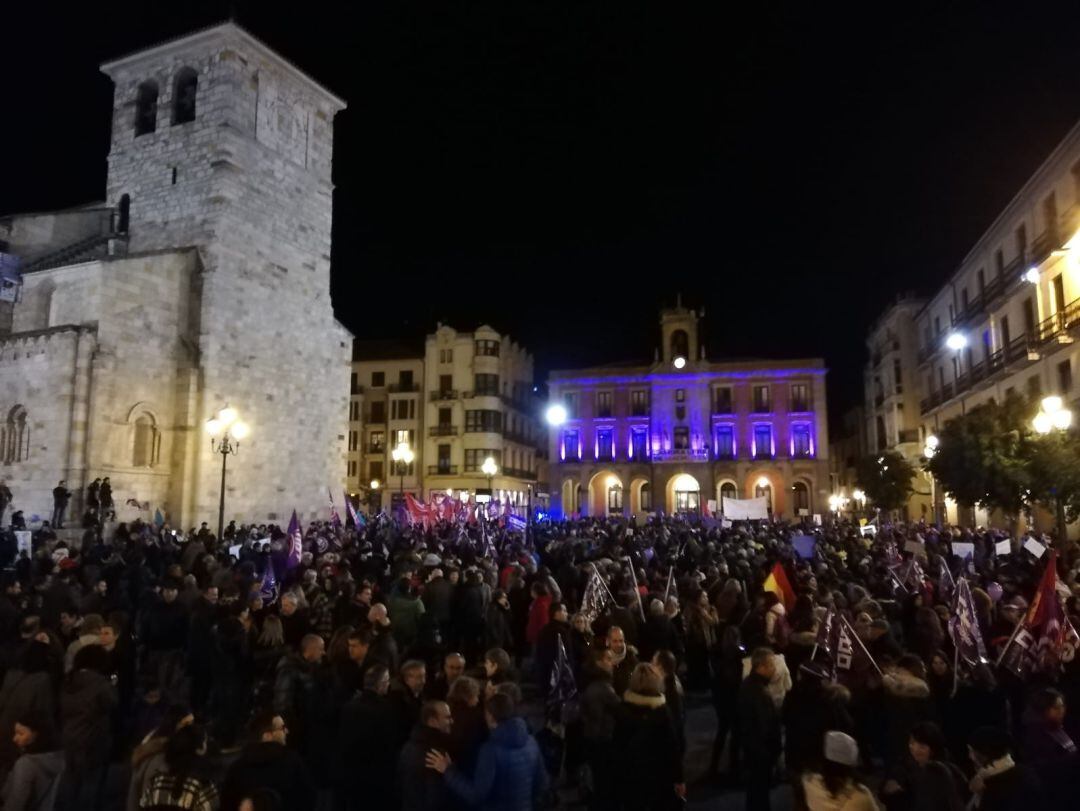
{"x":518,"y":473}
{"x":403,"y":388}
{"x":469,"y":395}
{"x":443,"y":430}
{"x":376,"y":449}
{"x":442,"y":470}
{"x":682,"y":455}
{"x":371,"y":419}
{"x":1044,"y":244}
{"x":516,"y":436}
{"x":440,"y":396}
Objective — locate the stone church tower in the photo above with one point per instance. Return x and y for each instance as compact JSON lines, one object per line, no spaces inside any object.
{"x":220,"y":145}
{"x":203,"y":280}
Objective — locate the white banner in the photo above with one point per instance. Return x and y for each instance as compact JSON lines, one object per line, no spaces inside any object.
{"x":22,"y":542}
{"x":746,"y":509}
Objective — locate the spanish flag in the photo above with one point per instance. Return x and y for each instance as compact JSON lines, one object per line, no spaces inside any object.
{"x":778,"y":584}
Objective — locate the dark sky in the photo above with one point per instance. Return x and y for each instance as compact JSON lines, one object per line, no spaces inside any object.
{"x":561,"y":169}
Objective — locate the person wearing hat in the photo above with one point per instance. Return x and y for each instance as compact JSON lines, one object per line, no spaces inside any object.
{"x":835,"y":788}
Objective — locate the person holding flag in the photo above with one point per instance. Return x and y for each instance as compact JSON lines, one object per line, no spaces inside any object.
{"x":295,"y":543}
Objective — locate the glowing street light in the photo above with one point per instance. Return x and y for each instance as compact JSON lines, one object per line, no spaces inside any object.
{"x":403,"y":456}
{"x":1053,"y":414}
{"x":556,"y":414}
{"x":226,"y":429}
{"x":956,"y":341}
{"x":1032,"y":275}
{"x":489,"y":469}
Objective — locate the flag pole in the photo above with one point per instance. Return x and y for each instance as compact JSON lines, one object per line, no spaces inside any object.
{"x":855,"y":636}
{"x":667,"y":590}
{"x":1008,"y":644}
{"x":605,"y":585}
{"x":633,"y":574}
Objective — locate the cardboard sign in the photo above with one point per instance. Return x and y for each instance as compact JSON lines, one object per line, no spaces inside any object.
{"x":817,"y":519}
{"x":1003,"y":547}
{"x":22,"y":541}
{"x":803,"y":512}
{"x":963,"y":550}
{"x":914,"y":547}
{"x":711,"y":503}
{"x":1034,"y":547}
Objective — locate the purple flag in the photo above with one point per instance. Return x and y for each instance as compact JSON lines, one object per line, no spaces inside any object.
{"x":335,"y":519}
{"x":296,"y":545}
{"x":268,"y":591}
{"x":562,"y":686}
{"x":964,"y":628}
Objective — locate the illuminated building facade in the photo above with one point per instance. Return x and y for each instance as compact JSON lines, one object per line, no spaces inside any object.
{"x":1007,"y":319}
{"x":682,"y":431}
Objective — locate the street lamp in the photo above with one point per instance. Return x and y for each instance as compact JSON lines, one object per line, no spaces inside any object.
{"x":956,"y":341}
{"x":489,"y":469}
{"x":860,"y":498}
{"x":929,"y":449}
{"x":556,"y":414}
{"x":226,"y":429}
{"x":1054,"y":416}
{"x":403,"y":456}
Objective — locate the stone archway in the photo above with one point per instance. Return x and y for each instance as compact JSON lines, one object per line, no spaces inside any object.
{"x":725,"y":488}
{"x":569,"y":497}
{"x":606,"y":493}
{"x":640,"y":496}
{"x":682,"y":494}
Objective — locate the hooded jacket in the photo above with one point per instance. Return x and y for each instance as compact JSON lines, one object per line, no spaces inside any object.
{"x":510,"y":773}
{"x":907,"y":702}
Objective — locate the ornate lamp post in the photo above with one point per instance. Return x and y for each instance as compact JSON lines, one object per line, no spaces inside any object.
{"x":489,"y":469}
{"x":403,"y":457}
{"x":226,"y":429}
{"x":928,"y":451}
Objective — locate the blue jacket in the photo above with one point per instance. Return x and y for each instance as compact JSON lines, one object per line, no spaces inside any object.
{"x":510,"y":773}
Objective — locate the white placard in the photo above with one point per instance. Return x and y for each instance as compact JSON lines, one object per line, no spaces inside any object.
{"x":234,"y":550}
{"x":1034,"y":547}
{"x":746,"y":509}
{"x":1003,"y":547}
{"x":817,"y":519}
{"x":963,"y":550}
{"x":22,"y":541}
{"x":711,"y":504}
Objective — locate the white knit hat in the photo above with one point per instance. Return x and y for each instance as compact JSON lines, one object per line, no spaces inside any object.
{"x":841,"y":748}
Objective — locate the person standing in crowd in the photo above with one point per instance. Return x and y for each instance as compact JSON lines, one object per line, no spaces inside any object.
{"x":266,"y":762}
{"x":834,"y":787}
{"x":759,"y":729}
{"x":407,"y":699}
{"x":366,"y":756}
{"x":61,"y":497}
{"x":509,"y":773}
{"x":87,"y":702}
{"x":1048,"y":748}
{"x":423,"y":789}
{"x":925,"y":778}
{"x":599,"y":708}
{"x":34,"y":781}
{"x":108,"y":509}
{"x":1000,"y":783}
{"x":187,"y":782}
{"x":624,"y":657}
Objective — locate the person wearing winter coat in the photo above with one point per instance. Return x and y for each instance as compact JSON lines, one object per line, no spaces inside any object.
{"x":1049,"y":749}
{"x":814,"y":706}
{"x":658,"y":633}
{"x":266,"y":762}
{"x":295,"y":683}
{"x":833,"y":787}
{"x":424,"y":789}
{"x":547,"y":645}
{"x":624,"y":656}
{"x":510,"y":773}
{"x":907,"y":702}
{"x":498,"y":632}
{"x":925,"y":780}
{"x":405,"y":610}
{"x":87,"y":702}
{"x":647,"y":747}
{"x":148,"y":759}
{"x":599,"y":707}
{"x":759,"y":729}
{"x":367,"y":759}
{"x":34,"y":780}
{"x":726,"y":666}
{"x":539,"y":612}
{"x":1000,"y":783}
{"x":186,"y":782}
{"x":27,"y":691}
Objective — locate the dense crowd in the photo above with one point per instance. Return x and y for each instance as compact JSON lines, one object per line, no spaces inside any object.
{"x":471,"y":664}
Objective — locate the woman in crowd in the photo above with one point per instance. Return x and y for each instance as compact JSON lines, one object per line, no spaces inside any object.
{"x":702,"y":628}
{"x":34,"y":780}
{"x":925,"y":780}
{"x":648,"y":747}
{"x":665,"y":664}
{"x":1049,"y":749}
{"x":835,"y":787}
{"x":186,"y":782}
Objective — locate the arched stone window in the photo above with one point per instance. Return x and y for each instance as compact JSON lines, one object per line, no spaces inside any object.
{"x":15,"y":436}
{"x":800,"y":497}
{"x":184,"y":90}
{"x":146,"y":108}
{"x":146,"y":444}
{"x":727,"y":490}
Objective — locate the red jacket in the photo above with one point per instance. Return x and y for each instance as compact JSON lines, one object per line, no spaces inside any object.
{"x":539,"y":612}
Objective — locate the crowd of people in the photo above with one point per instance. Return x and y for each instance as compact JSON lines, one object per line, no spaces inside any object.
{"x":476,"y":665}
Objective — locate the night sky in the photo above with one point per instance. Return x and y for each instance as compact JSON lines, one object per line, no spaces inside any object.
{"x":559,"y":170}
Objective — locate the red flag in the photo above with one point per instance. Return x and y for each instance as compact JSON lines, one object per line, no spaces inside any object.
{"x":1042,"y":636}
